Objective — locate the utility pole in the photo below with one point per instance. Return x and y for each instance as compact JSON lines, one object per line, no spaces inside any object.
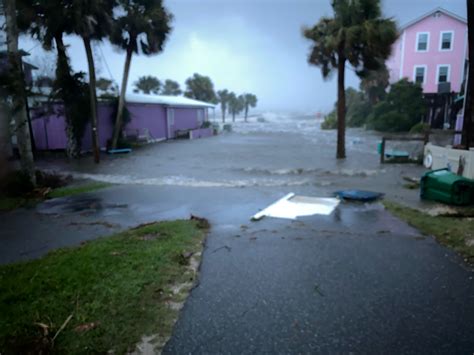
{"x":469,"y":109}
{"x":18,"y":93}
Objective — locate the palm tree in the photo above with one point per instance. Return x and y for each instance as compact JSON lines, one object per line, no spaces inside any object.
{"x":18,"y":93}
{"x":250,"y":100}
{"x":92,"y":20}
{"x":357,"y":34}
{"x":200,"y":87}
{"x":171,"y":88}
{"x":223,"y":97}
{"x":48,"y":21}
{"x":141,"y":26}
{"x":236,"y":104}
{"x":147,"y":84}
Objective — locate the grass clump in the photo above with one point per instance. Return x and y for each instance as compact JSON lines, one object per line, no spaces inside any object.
{"x":454,"y":232}
{"x":76,"y":190}
{"x":99,"y":297}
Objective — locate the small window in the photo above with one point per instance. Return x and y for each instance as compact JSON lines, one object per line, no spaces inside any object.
{"x":443,"y":74}
{"x":422,"y":42}
{"x":419,"y":75}
{"x":446,"y":41}
{"x":171,"y":116}
{"x":200,"y":116}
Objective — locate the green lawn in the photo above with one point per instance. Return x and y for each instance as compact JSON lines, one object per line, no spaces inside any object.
{"x":453,"y":232}
{"x":104,"y":295}
{"x":76,"y":190}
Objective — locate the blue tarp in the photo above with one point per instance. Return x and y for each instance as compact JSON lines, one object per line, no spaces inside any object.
{"x":358,"y":195}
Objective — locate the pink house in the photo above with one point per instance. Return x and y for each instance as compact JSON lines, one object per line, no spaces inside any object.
{"x":431,"y":50}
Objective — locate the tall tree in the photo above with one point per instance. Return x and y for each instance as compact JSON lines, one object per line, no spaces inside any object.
{"x":92,"y":20}
{"x":236,"y":104}
{"x":375,"y":83}
{"x":142,"y":26}
{"x":147,"y":84}
{"x":171,"y":88}
{"x":47,"y":21}
{"x":200,"y":87}
{"x":18,"y":92}
{"x":223,"y":98}
{"x":357,"y":34}
{"x":250,"y":100}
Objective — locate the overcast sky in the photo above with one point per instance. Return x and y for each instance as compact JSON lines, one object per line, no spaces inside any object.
{"x":243,"y":45}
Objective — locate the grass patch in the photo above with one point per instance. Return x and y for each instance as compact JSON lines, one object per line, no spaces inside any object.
{"x":104,"y":295}
{"x":76,"y":190}
{"x":454,"y":232}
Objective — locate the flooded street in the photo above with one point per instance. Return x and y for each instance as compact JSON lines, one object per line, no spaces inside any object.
{"x":272,"y":150}
{"x":356,"y":281}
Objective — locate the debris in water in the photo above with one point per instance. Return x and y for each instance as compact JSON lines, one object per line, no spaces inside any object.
{"x":358,"y":195}
{"x":292,"y":206}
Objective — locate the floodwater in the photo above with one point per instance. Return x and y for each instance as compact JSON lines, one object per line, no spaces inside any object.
{"x":271,"y":150}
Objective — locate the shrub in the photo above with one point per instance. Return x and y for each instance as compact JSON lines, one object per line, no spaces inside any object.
{"x":227,"y":127}
{"x":206,"y":124}
{"x":401,"y":109}
{"x":330,"y":121}
{"x":420,"y":127}
{"x":16,"y":184}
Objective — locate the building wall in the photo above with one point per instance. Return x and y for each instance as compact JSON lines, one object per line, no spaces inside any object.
{"x":187,"y":118}
{"x":405,"y":62}
{"x":147,"y":120}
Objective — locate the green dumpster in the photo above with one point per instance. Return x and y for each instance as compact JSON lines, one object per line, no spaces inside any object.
{"x":444,"y":186}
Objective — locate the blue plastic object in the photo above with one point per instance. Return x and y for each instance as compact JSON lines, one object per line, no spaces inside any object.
{"x":119,"y":151}
{"x":358,"y":195}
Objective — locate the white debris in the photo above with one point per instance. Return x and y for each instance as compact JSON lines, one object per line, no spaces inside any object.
{"x":292,"y":206}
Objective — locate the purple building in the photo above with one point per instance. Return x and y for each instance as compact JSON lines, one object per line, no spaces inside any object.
{"x":153,"y":118}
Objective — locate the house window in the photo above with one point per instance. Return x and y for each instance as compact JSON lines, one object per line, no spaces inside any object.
{"x":419,"y":76}
{"x":422,"y":39}
{"x":200,"y":116}
{"x":446,"y":41}
{"x":443,"y":73}
{"x":171,"y":116}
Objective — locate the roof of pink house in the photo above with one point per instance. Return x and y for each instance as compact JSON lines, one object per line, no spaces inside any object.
{"x":430,"y":13}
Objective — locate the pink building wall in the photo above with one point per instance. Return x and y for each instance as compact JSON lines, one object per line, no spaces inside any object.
{"x":148,"y":120}
{"x":405,"y":58}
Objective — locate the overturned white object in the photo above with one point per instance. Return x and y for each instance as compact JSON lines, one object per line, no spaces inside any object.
{"x":292,"y":206}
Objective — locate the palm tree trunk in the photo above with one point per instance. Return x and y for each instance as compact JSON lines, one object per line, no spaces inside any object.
{"x":341,"y":108}
{"x":63,"y":72}
{"x":118,"y":120}
{"x":223,"y":108}
{"x":246,"y":112}
{"x":23,"y":133}
{"x":233,"y":116}
{"x":93,"y":99}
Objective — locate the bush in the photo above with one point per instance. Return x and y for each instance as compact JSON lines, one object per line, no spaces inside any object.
{"x":401,"y":110}
{"x":16,"y":184}
{"x":206,"y":124}
{"x":330,"y":121}
{"x":227,"y":127}
{"x":420,"y":128}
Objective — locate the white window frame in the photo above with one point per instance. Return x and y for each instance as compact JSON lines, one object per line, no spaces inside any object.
{"x":441,"y":41}
{"x":425,"y":73}
{"x":427,"y":42}
{"x":448,"y":79}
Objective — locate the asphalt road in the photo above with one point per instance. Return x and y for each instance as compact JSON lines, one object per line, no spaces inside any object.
{"x":357,"y":281}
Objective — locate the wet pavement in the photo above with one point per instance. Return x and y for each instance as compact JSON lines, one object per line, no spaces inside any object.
{"x":357,"y":281}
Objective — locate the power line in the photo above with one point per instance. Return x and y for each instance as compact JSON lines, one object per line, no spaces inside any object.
{"x":105,"y":61}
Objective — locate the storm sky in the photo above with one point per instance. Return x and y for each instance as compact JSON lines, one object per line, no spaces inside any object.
{"x":243,"y":45}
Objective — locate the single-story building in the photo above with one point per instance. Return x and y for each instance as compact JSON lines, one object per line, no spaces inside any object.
{"x":152,"y":118}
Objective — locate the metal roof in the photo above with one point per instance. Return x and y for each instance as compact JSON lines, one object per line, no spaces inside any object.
{"x":175,"y":101}
{"x":440,"y":9}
